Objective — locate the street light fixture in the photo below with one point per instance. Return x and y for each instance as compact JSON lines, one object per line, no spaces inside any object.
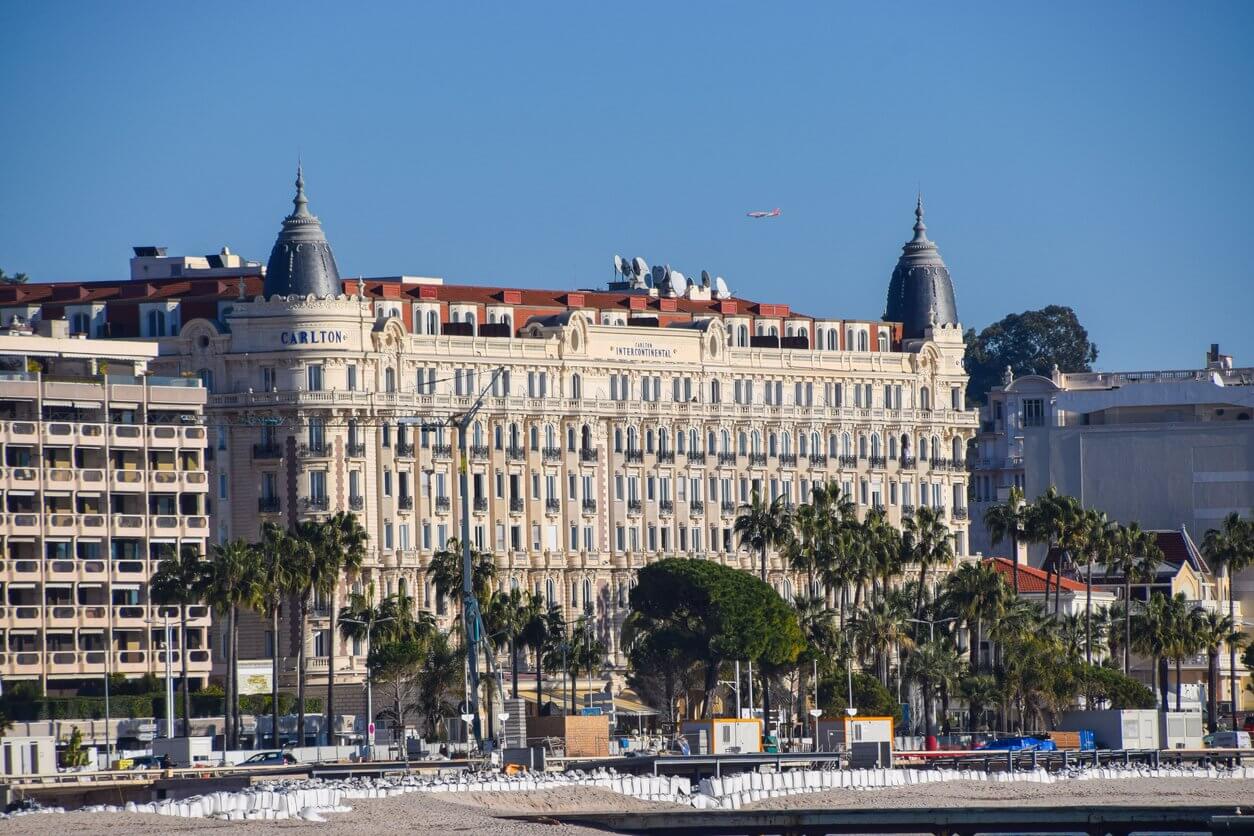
{"x":816,"y":713}
{"x":169,"y":674}
{"x":369,"y":625}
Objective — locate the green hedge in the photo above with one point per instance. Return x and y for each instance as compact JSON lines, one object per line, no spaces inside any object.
{"x":20,"y":706}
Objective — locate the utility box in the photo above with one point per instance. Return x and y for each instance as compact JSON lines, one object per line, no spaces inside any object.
{"x":582,"y":736}
{"x":722,"y":736}
{"x":183,"y":752}
{"x":1180,"y":729}
{"x":1131,"y":728}
{"x":28,"y":756}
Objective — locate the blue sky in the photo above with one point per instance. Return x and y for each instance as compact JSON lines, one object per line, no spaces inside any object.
{"x":1089,"y":154}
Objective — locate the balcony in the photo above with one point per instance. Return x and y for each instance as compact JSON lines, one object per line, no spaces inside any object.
{"x":940,"y":464}
{"x":267,"y":451}
{"x":635,"y":456}
{"x":442,"y":504}
{"x":818,"y":460}
{"x":405,"y":449}
{"x":634,"y":506}
{"x":589,"y":506}
{"x":442,"y":451}
{"x":514,"y":453}
{"x":696,"y":507}
{"x":551,"y":455}
{"x":907,"y":510}
{"x":552,"y":506}
{"x":787,"y":460}
{"x":355,"y":450}
{"x":316,"y":503}
{"x":479,"y":452}
{"x":666,"y":507}
{"x":405,"y":502}
{"x":757,"y":459}
{"x":665,"y":456}
{"x":728,"y":508}
{"x":356,"y":503}
{"x":515,"y":504}
{"x":908,"y":461}
{"x":313,"y":449}
{"x":588,"y":456}
{"x":847,"y":461}
{"x":960,"y":513}
{"x":727,"y":459}
{"x":696,"y":457}
{"x":481,"y":503}
{"x":878,"y":462}
{"x":268,"y":504}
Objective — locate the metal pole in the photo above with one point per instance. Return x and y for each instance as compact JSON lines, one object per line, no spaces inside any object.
{"x":753,"y":707}
{"x":169,"y":681}
{"x":737,"y":689}
{"x":369,"y":703}
{"x":470,"y":607}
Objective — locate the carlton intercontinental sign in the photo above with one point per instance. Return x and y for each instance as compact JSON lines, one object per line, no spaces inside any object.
{"x":312,"y":337}
{"x":644,"y":349}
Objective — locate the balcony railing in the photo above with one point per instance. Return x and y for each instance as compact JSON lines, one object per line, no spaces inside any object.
{"x":551,"y":455}
{"x":847,"y":460}
{"x":878,"y":462}
{"x":588,"y":456}
{"x":442,"y":504}
{"x":316,"y":503}
{"x":405,"y":449}
{"x":907,"y":461}
{"x":634,"y":506}
{"x":589,"y":506}
{"x":695,"y":457}
{"x":481,"y":503}
{"x":788,"y":459}
{"x":818,"y":460}
{"x":666,"y":506}
{"x":940,"y":464}
{"x":515,"y":504}
{"x":728,"y":508}
{"x":757,"y":459}
{"x":268,"y":504}
{"x":907,"y":510}
{"x":356,"y":503}
{"x":313,"y":448}
{"x":960,"y":513}
{"x":696,"y":507}
{"x":727,"y":458}
{"x":442,"y":451}
{"x":405,"y":502}
{"x":665,"y":456}
{"x":552,"y":505}
{"x":479,"y":451}
{"x":355,"y":450}
{"x":635,"y":456}
{"x":515,"y":453}
{"x":267,"y":451}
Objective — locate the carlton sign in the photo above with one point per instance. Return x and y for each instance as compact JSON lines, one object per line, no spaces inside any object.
{"x":312,"y":337}
{"x":644,"y":349}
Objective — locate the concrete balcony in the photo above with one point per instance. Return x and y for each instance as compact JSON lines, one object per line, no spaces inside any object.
{"x":59,"y":479}
{"x":58,"y":432}
{"x":91,"y":479}
{"x":129,"y":525}
{"x":194,"y":481}
{"x":162,"y":436}
{"x":126,"y":480}
{"x":163,"y":480}
{"x":126,"y":435}
{"x":59,"y":524}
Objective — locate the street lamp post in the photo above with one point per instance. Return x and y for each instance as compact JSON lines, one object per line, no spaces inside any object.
{"x":169,"y":674}
{"x":369,"y":625}
{"x":931,"y":626}
{"x":816,"y":713}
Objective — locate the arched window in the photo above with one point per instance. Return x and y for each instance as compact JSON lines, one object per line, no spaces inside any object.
{"x":875,"y":445}
{"x":587,"y":595}
{"x":862,"y":451}
{"x":550,"y":593}
{"x":618,"y":440}
{"x":742,"y":444}
{"x":774,"y":331}
{"x":586,"y":437}
{"x":925,"y":398}
{"x":576,"y":386}
{"x":550,"y":435}
{"x":862,"y":341}
{"x":905,"y":445}
{"x":477,"y":435}
{"x":757,"y":442}
{"x":850,"y":342}
{"x":787,"y":590}
{"x":922,"y":448}
{"x":785,"y":443}
{"x":681,"y":442}
{"x":772,"y":445}
{"x":957,"y":456}
{"x":892,"y":447}
{"x":833,"y":340}
{"x":725,"y":445}
{"x":846,"y":445}
{"x":935,"y":448}
{"x":663,"y":440}
{"x":716,"y":394}
{"x":515,"y":440}
{"x":788,"y":331}
{"x":710,"y":445}
{"x":815,"y":444}
{"x":832,"y":447}
{"x":389,"y":380}
{"x":433,"y":323}
{"x":496,"y":437}
{"x":632,"y":439}
{"x":743,"y":331}
{"x":693,"y":441}
{"x":803,"y":444}
{"x":570,"y":438}
{"x":509,"y":323}
{"x":535,"y":437}
{"x":881,"y":342}
{"x":648,"y":441}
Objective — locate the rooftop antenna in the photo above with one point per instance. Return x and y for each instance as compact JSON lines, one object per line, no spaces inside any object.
{"x":658,"y":276}
{"x":679,"y":283}
{"x":705,"y":278}
{"x":618,"y":265}
{"x":720,"y":288}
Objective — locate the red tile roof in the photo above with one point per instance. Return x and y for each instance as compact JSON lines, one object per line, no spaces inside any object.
{"x":1031,"y":579}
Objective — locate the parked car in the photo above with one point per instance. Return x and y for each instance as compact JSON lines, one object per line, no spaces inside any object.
{"x":274,"y":758}
{"x":1018,"y":744}
{"x":150,"y":762}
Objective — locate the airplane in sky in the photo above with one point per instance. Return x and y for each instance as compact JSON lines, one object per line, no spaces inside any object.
{"x":774,"y":213}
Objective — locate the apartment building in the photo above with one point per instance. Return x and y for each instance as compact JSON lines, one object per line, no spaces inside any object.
{"x":102,"y":474}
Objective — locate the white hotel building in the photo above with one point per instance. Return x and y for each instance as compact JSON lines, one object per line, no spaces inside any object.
{"x":624,"y":425}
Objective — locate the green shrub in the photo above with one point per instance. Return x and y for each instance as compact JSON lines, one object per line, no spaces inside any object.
{"x":870,"y":697}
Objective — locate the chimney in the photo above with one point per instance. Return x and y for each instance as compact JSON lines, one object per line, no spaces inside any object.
{"x":52,"y":328}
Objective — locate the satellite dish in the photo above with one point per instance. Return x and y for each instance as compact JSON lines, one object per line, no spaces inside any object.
{"x":639,"y":267}
{"x":659,"y":275}
{"x":618,"y":264}
{"x":705,"y":278}
{"x":679,"y":283}
{"x":721,"y":288}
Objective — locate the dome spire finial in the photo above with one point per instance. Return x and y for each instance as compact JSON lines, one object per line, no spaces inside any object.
{"x":300,"y":202}
{"x":920,"y":228}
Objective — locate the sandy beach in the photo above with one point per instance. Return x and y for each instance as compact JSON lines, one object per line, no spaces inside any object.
{"x":421,"y":813}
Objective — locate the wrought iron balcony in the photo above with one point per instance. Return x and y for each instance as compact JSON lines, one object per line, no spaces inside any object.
{"x":515,"y":453}
{"x":481,"y":503}
{"x":696,"y":507}
{"x":907,"y":510}
{"x":633,"y":506}
{"x":728,"y":508}
{"x":757,"y":459}
{"x":442,"y":451}
{"x":442,"y":504}
{"x":552,"y":505}
{"x":405,"y":502}
{"x":818,"y":460}
{"x":356,"y":503}
{"x":666,"y":506}
{"x":551,"y":455}
{"x":788,"y":459}
{"x":515,"y":504}
{"x":727,"y":458}
{"x":665,"y":456}
{"x":908,"y":461}
{"x":696,"y":457}
{"x":878,"y":462}
{"x":313,"y":448}
{"x":940,"y":464}
{"x":589,"y":506}
{"x":405,"y":448}
{"x":588,"y":456}
{"x":635,"y":456}
{"x":479,"y":451}
{"x":268,"y":504}
{"x":316,"y":503}
{"x":355,"y":450}
{"x":960,"y":513}
{"x":847,"y":461}
{"x":267,"y":451}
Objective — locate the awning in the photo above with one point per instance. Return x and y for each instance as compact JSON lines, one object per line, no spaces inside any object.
{"x":57,"y":403}
{"x":127,"y":587}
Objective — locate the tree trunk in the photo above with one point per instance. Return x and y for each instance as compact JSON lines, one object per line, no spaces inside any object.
{"x":539,"y":678}
{"x":975,"y":646}
{"x":1212,"y":681}
{"x":187,"y":690}
{"x":766,"y":691}
{"x":330,"y":735}
{"x":1232,"y":649}
{"x":1127,"y":623}
{"x":235,"y":712}
{"x":300,"y":670}
{"x":1178,"y":688}
{"x":228,"y":731}
{"x":711,"y":682}
{"x":1162,"y":680}
{"x":1014,"y":547}
{"x":513,"y":663}
{"x":274,"y":675}
{"x":1088,"y":613}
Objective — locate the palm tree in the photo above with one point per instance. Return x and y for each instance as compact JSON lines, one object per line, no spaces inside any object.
{"x":177,"y":583}
{"x":1100,"y":539}
{"x":534,"y":636}
{"x":506,"y":616}
{"x":308,"y":573}
{"x":926,"y":540}
{"x":340,"y":543}
{"x":275,"y":557}
{"x":16,"y":278}
{"x":1154,"y":631}
{"x":975,"y":593}
{"x":1212,"y":631}
{"x":227,"y":582}
{"x":876,"y":630}
{"x":822,"y":639}
{"x":936,"y":666}
{"x":761,"y":527}
{"x":1009,"y":520}
{"x":445,"y":572}
{"x":1134,"y":553}
{"x":1232,"y":546}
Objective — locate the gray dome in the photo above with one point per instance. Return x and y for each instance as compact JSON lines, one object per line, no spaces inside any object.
{"x":301,"y":262}
{"x":920,"y":294}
